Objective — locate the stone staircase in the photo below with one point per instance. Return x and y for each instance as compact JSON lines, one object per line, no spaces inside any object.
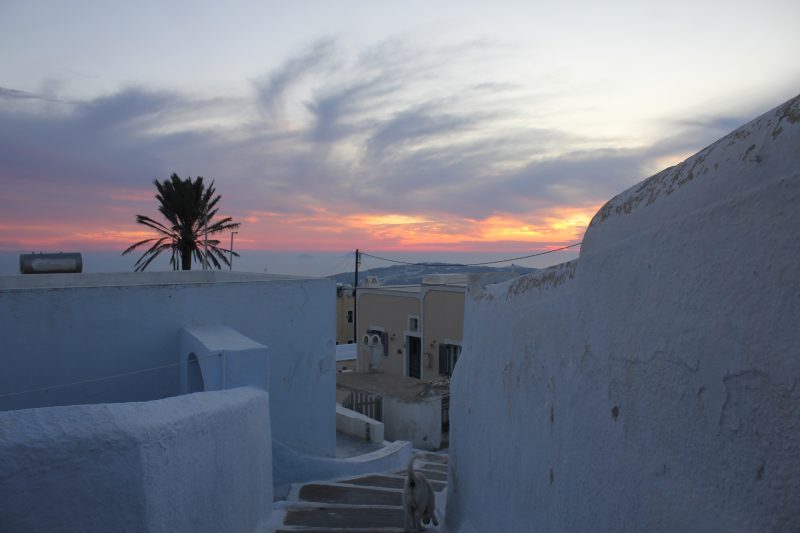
{"x":372,"y":502}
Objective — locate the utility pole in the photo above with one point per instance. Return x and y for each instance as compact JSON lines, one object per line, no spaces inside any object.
{"x":205,"y":246}
{"x":355,"y":299}
{"x":231,"y":261}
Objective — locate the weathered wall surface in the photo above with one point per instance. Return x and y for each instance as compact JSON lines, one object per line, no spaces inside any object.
{"x":199,"y":462}
{"x":66,"y":328}
{"x":652,"y":384}
{"x":443,"y":322}
{"x":419,"y":421}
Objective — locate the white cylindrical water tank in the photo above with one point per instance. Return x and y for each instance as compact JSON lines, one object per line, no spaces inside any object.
{"x":60,"y":263}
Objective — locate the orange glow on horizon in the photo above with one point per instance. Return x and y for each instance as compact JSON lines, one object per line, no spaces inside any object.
{"x":387,"y":220}
{"x":116,"y":236}
{"x":322,"y":229}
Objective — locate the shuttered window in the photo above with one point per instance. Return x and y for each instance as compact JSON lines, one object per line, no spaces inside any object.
{"x":448,"y":355}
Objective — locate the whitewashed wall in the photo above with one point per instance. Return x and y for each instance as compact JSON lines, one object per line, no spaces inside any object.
{"x":218,"y":358}
{"x":292,"y":467}
{"x":652,"y":384}
{"x":361,"y":426}
{"x":199,"y":462}
{"x":64,"y":328}
{"x":419,"y":421}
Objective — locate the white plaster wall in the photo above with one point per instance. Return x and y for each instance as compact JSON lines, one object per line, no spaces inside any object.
{"x":221,"y":358}
{"x":652,"y":384}
{"x":291,"y":466}
{"x":352,"y":423}
{"x":65,"y":328}
{"x":199,"y":462}
{"x":419,"y":422}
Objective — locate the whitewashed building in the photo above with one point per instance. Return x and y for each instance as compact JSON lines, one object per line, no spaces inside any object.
{"x":91,"y":420}
{"x":651,"y":384}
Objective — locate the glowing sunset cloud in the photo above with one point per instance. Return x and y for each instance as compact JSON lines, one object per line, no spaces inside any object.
{"x":388,"y":220}
{"x":330,"y":231}
{"x":114,"y":238}
{"x":476,"y":127}
{"x":555,"y":225}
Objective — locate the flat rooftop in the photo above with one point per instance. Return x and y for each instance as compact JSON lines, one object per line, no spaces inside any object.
{"x":126,"y":279}
{"x":401,"y":387}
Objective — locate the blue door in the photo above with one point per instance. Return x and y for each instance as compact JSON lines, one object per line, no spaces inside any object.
{"x":414,"y":357}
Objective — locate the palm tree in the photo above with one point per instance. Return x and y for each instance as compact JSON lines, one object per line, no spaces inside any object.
{"x":190,"y":208}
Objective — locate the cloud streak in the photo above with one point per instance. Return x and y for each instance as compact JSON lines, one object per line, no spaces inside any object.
{"x":387,"y":146}
{"x":270,"y":89}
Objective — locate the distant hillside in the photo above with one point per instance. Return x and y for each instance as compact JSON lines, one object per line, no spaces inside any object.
{"x":412,"y":274}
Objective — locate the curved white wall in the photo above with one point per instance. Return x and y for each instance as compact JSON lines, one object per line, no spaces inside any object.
{"x":652,"y":384}
{"x":294,"y":467}
{"x":66,"y":328}
{"x":199,"y":462}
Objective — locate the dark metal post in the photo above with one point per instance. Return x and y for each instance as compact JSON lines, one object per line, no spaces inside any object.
{"x":355,"y":299}
{"x":231,"y":261}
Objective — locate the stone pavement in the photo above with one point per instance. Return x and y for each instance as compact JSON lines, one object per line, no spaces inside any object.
{"x":372,"y":502}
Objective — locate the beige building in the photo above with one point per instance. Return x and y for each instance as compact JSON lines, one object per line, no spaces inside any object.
{"x":420,"y":326}
{"x":344,"y":314}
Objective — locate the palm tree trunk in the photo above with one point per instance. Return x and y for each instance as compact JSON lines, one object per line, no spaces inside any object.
{"x":186,"y":258}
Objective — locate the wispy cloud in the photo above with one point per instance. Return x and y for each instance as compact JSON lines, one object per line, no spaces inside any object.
{"x":329,"y":140}
{"x":272,"y":88}
{"x":16,"y":94}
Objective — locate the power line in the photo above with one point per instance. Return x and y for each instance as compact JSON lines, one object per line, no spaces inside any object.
{"x":338,"y":268}
{"x":105,"y":378}
{"x":526,"y":256}
{"x":471,"y":264}
{"x":409,"y":263}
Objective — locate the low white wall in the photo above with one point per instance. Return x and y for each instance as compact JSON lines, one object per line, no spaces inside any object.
{"x":358,"y":425}
{"x":200,"y":462}
{"x":65,"y":328}
{"x":293,"y":467}
{"x":419,"y":422}
{"x":652,"y":384}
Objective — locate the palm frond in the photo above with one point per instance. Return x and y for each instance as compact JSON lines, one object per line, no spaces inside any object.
{"x":136,"y":245}
{"x":190,"y":208}
{"x":149,"y":222}
{"x":151,"y":253}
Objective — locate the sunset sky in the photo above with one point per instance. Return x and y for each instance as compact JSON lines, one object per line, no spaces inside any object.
{"x":333,"y":125}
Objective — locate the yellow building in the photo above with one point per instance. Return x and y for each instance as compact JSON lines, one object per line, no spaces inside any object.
{"x":344,"y":314}
{"x":420,"y":326}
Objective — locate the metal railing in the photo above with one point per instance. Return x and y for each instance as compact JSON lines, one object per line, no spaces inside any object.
{"x":367,"y":404}
{"x":446,"y":412}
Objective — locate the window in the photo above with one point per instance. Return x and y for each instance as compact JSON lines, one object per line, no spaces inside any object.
{"x":384,"y":339}
{"x":350,"y":317}
{"x":448,"y":355}
{"x":413,"y":323}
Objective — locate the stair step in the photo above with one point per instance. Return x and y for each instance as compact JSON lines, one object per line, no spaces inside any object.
{"x":378,"y":480}
{"x":433,"y":458}
{"x":370,"y":503}
{"x":389,"y":482}
{"x":322,"y":493}
{"x":351,"y":518}
{"x":341,"y":530}
{"x":430,"y":474}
